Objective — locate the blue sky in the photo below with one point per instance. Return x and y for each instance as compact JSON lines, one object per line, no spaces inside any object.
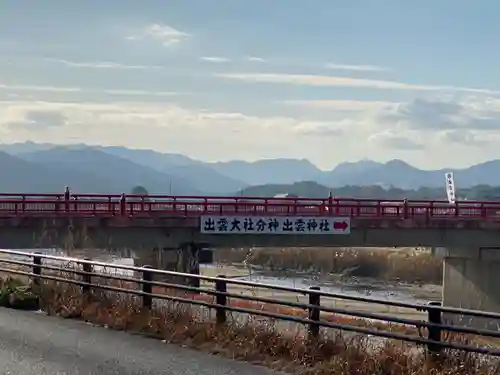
{"x":326,"y":80}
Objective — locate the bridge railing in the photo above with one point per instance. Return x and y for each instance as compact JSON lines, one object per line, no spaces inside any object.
{"x":130,"y":205}
{"x":315,"y":313}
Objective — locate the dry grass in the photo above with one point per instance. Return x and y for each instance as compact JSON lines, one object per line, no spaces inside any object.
{"x":263,"y":343}
{"x":407,"y":265}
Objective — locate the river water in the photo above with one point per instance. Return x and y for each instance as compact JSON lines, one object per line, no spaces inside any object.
{"x":356,"y":287}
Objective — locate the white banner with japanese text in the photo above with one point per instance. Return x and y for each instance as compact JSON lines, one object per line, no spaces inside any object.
{"x":450,"y":187}
{"x":299,"y":225}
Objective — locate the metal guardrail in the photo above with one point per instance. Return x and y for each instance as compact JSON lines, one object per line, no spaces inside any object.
{"x":85,"y":274}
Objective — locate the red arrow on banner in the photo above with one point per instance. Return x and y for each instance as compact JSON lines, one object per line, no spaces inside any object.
{"x":342,"y":225}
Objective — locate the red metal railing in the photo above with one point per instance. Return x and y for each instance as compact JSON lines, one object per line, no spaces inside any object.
{"x":192,"y":206}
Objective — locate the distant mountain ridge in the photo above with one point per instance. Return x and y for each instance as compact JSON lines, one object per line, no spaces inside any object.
{"x":115,"y":168}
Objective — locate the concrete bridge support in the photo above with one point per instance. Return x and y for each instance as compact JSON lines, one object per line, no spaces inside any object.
{"x":185,"y":259}
{"x":471,"y":281}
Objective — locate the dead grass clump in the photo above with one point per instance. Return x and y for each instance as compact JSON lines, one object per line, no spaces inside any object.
{"x":385,"y":264}
{"x":240,"y":339}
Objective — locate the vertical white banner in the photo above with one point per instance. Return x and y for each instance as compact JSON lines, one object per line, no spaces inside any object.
{"x":450,"y":187}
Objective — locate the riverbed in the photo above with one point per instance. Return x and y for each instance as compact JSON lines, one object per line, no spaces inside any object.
{"x":378,"y":289}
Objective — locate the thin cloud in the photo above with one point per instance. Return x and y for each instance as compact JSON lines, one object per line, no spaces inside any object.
{"x":142,"y":93}
{"x":343,"y":105}
{"x":149,"y":123}
{"x":394,"y":139}
{"x":39,"y":88}
{"x":256,"y":59}
{"x":358,"y":68}
{"x":446,"y":115}
{"x":215,"y":59}
{"x":166,"y":35}
{"x":103,"y":65}
{"x":321,"y":80}
{"x":116,"y":92}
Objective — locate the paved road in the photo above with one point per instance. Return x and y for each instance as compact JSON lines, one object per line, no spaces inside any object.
{"x":36,"y":344}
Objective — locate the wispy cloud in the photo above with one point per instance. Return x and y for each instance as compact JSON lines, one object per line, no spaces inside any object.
{"x":166,"y":35}
{"x":137,"y":124}
{"x":39,"y":88}
{"x":398,"y":140}
{"x":321,"y":80}
{"x":103,"y":65}
{"x":343,"y":105}
{"x":215,"y":59}
{"x":142,"y":93}
{"x":358,"y":68}
{"x":256,"y":59}
{"x":30,"y":88}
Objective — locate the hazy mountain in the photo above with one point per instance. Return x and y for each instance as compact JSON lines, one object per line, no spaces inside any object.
{"x":309,"y":189}
{"x":192,"y":171}
{"x":315,"y":190}
{"x":19,"y":148}
{"x":398,"y":173}
{"x":105,"y":172}
{"x":270,"y":171}
{"x":22,"y":176}
{"x":393,"y":173}
{"x":99,"y":168}
{"x":19,"y":176}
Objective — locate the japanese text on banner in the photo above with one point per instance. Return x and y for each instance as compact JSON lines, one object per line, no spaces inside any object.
{"x":274,"y":225}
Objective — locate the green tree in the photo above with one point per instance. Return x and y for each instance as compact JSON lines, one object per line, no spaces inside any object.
{"x":139,"y":190}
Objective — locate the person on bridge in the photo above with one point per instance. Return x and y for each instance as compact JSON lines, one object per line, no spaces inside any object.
{"x":123,"y":200}
{"x":67,"y":197}
{"x":405,"y":208}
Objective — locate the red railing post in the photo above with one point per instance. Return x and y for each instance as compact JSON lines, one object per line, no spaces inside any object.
{"x":56,"y":205}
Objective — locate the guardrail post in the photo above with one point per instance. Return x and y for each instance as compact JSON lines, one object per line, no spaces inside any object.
{"x":87,"y":277}
{"x":434,"y":333}
{"x":220,"y":299}
{"x":315,"y":300}
{"x":37,"y":268}
{"x":147,"y":288}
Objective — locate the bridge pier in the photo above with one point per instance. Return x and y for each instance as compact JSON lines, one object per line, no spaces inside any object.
{"x":470,"y":281}
{"x":185,"y":259}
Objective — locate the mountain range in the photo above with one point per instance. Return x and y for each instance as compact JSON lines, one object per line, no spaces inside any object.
{"x":42,"y":167}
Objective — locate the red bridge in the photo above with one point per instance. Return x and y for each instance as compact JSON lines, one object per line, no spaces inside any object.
{"x":113,"y":205}
{"x":170,"y":232}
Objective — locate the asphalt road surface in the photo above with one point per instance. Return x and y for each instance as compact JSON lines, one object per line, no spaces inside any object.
{"x":36,"y":344}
